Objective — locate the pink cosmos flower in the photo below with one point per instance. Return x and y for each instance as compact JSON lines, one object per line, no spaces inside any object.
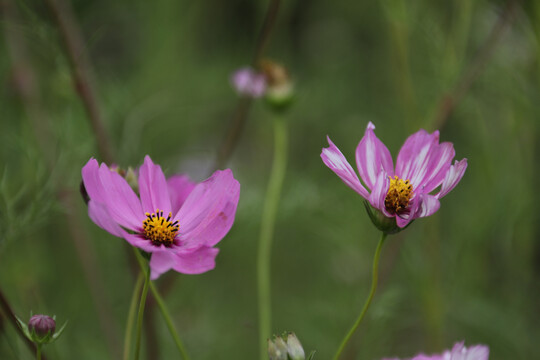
{"x":458,"y":352}
{"x":248,"y":82}
{"x":175,"y":220}
{"x":407,"y":191}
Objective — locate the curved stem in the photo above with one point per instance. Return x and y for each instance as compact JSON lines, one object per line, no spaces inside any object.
{"x":273,"y":194}
{"x":368,"y":301}
{"x":242,"y":108}
{"x":268,"y":25}
{"x":168,"y":320}
{"x":163,"y":308}
{"x":131,"y":315}
{"x":141,"y":311}
{"x":7,"y":310}
{"x":81,"y":73}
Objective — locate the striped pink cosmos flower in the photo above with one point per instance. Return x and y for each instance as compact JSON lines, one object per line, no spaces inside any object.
{"x":458,"y":352}
{"x":175,"y":220}
{"x":409,"y":190}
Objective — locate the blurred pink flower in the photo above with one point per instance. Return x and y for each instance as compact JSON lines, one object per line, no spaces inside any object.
{"x":248,"y":82}
{"x":406,"y":192}
{"x":458,"y":352}
{"x":175,"y":220}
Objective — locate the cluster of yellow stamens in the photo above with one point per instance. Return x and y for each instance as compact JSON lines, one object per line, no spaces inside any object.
{"x":399,"y":194}
{"x":160,"y":230}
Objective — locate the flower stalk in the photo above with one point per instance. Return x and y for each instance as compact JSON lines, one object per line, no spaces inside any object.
{"x":131,"y":315}
{"x":142,"y":303}
{"x":162,"y":307}
{"x":368,"y":300}
{"x":273,"y":194}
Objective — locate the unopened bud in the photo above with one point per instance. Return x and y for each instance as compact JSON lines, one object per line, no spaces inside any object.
{"x":280,"y":90}
{"x":277,"y":349}
{"x":42,"y":325}
{"x":294,"y":348}
{"x":132,"y":179}
{"x":41,"y":329}
{"x":130,"y":175}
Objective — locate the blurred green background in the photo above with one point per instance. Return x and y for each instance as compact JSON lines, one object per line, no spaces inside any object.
{"x":161,"y":69}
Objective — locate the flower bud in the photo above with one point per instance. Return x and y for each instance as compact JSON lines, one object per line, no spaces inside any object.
{"x":130,"y":175}
{"x":132,"y":179}
{"x":41,"y":329}
{"x":280,"y":90}
{"x":41,"y":325}
{"x":277,"y":349}
{"x":294,"y":347}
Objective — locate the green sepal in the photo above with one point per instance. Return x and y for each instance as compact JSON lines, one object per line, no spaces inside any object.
{"x":385,"y":224}
{"x":59,"y":332}
{"x":280,"y":98}
{"x":147,"y":256}
{"x":24,"y":328}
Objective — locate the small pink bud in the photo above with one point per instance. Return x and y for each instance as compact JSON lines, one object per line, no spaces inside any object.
{"x":42,"y":325}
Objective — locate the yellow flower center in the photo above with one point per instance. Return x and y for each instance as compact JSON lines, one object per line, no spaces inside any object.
{"x":160,"y":230}
{"x":399,"y":195}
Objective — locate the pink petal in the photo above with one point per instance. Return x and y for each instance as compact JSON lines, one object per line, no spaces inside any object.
{"x":428,"y":205}
{"x":142,"y":243}
{"x":153,"y":188}
{"x":249,"y":83}
{"x":101,"y":217}
{"x":371,"y":156}
{"x":199,"y":261}
{"x":428,"y":357}
{"x":439,"y":163}
{"x":208,"y":212}
{"x":334,"y":159}
{"x":161,"y":262}
{"x":111,"y":190}
{"x":122,"y":203}
{"x":452,"y":178}
{"x":258,"y":86}
{"x":92,"y":181}
{"x":477,"y":352}
{"x":458,"y":347}
{"x":179,"y":188}
{"x":414,"y":156}
{"x":403,"y":220}
{"x":379,"y":192}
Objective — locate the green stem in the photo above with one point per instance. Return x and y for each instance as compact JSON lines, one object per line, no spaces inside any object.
{"x":131,"y":315}
{"x":141,"y":310}
{"x":368,"y":301}
{"x":271,"y":202}
{"x":38,"y":352}
{"x":163,"y":309}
